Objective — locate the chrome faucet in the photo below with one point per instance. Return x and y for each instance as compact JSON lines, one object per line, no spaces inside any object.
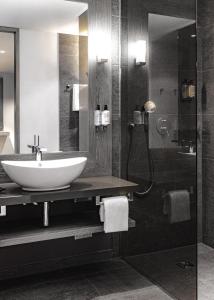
{"x":37,"y":149}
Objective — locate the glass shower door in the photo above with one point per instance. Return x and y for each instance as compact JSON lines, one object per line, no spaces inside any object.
{"x":160,"y":151}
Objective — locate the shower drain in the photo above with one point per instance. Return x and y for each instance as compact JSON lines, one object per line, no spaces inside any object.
{"x":185,"y":264}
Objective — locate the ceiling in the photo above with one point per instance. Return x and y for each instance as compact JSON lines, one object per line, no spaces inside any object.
{"x":57,"y":16}
{"x":45,"y":15}
{"x":160,"y":25}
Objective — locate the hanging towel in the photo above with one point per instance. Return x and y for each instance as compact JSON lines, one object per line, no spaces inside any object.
{"x":80,"y":97}
{"x":177,"y":206}
{"x":76,"y":98}
{"x":114,"y":212}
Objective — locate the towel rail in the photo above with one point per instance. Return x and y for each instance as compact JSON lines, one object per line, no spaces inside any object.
{"x":99,"y":202}
{"x":190,"y":190}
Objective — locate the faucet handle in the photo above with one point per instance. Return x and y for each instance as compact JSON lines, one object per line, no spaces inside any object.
{"x":32,"y":147}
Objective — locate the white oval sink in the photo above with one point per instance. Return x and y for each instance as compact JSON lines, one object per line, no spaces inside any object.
{"x":45,"y":175}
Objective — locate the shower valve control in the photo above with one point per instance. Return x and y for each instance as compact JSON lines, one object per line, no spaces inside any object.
{"x":163,"y":126}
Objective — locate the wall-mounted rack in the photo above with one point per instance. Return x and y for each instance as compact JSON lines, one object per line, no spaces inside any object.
{"x":80,"y":226}
{"x":99,"y":202}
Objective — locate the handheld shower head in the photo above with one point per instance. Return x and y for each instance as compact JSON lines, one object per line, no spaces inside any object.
{"x":150,"y":107}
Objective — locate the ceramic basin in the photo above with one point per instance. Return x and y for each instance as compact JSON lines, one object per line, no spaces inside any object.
{"x":45,"y":175}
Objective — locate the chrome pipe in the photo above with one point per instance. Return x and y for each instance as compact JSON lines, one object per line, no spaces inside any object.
{"x":46,"y":214}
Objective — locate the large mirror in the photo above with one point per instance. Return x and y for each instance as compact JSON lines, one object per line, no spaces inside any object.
{"x":43,"y":75}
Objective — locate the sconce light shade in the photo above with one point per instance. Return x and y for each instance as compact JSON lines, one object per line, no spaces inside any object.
{"x":150,"y":106}
{"x":140,"y":52}
{"x":102,"y":44}
{"x":101,"y":60}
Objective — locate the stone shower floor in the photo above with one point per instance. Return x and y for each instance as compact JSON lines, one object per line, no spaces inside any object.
{"x":114,"y":280}
{"x":162,"y":269}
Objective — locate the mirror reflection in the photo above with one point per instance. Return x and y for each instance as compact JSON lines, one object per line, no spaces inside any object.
{"x":43,"y":76}
{"x":172,"y":82}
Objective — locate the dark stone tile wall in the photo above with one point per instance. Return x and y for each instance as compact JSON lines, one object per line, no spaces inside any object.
{"x":116,"y":76}
{"x":206,"y":114}
{"x":172,"y":170}
{"x":163,"y":86}
{"x":187,"y":71}
{"x":199,"y":131}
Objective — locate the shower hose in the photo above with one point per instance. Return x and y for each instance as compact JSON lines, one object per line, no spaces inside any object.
{"x":150,"y":160}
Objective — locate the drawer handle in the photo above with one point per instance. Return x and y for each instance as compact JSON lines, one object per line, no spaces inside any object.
{"x":83,"y":236}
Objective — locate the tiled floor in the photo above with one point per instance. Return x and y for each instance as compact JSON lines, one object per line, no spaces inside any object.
{"x":205,"y":272}
{"x":116,"y":280}
{"x":113,"y":280}
{"x":162,"y":269}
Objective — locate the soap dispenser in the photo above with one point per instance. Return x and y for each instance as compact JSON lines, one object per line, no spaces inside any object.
{"x":191,"y":89}
{"x":97,"y":117}
{"x":137,"y":116}
{"x":105,"y":116}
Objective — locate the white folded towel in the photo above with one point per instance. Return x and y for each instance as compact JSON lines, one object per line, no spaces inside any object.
{"x":114,"y":212}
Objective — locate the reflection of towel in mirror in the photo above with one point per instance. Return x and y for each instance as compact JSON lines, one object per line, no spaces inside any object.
{"x":79,"y":97}
{"x":114,"y":212}
{"x":177,"y":206}
{"x":76,"y":97}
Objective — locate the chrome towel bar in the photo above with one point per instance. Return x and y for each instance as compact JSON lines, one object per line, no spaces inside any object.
{"x":130,"y":197}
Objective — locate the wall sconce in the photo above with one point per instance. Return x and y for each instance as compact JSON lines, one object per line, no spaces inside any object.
{"x":101,"y":60}
{"x":102,"y":47}
{"x":140,"y":52}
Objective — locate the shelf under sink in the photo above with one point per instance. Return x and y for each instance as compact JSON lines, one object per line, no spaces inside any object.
{"x":79,"y":227}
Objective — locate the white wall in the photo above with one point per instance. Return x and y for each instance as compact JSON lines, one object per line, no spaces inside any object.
{"x":39,"y":89}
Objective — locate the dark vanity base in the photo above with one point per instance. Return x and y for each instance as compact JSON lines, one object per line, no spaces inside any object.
{"x":81,"y":225}
{"x":75,"y":235}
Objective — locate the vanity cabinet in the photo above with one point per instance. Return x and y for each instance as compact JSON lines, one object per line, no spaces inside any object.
{"x":75,"y":234}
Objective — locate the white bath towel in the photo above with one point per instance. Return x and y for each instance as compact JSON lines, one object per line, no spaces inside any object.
{"x":114,"y":212}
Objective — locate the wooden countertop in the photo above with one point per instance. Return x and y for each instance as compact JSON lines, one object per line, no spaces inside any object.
{"x":81,"y":188}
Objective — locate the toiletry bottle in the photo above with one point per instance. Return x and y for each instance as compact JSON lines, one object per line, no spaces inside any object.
{"x":137,"y":116}
{"x":191,"y":89}
{"x":185,"y":89}
{"x":105,"y":116}
{"x":97,"y":116}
